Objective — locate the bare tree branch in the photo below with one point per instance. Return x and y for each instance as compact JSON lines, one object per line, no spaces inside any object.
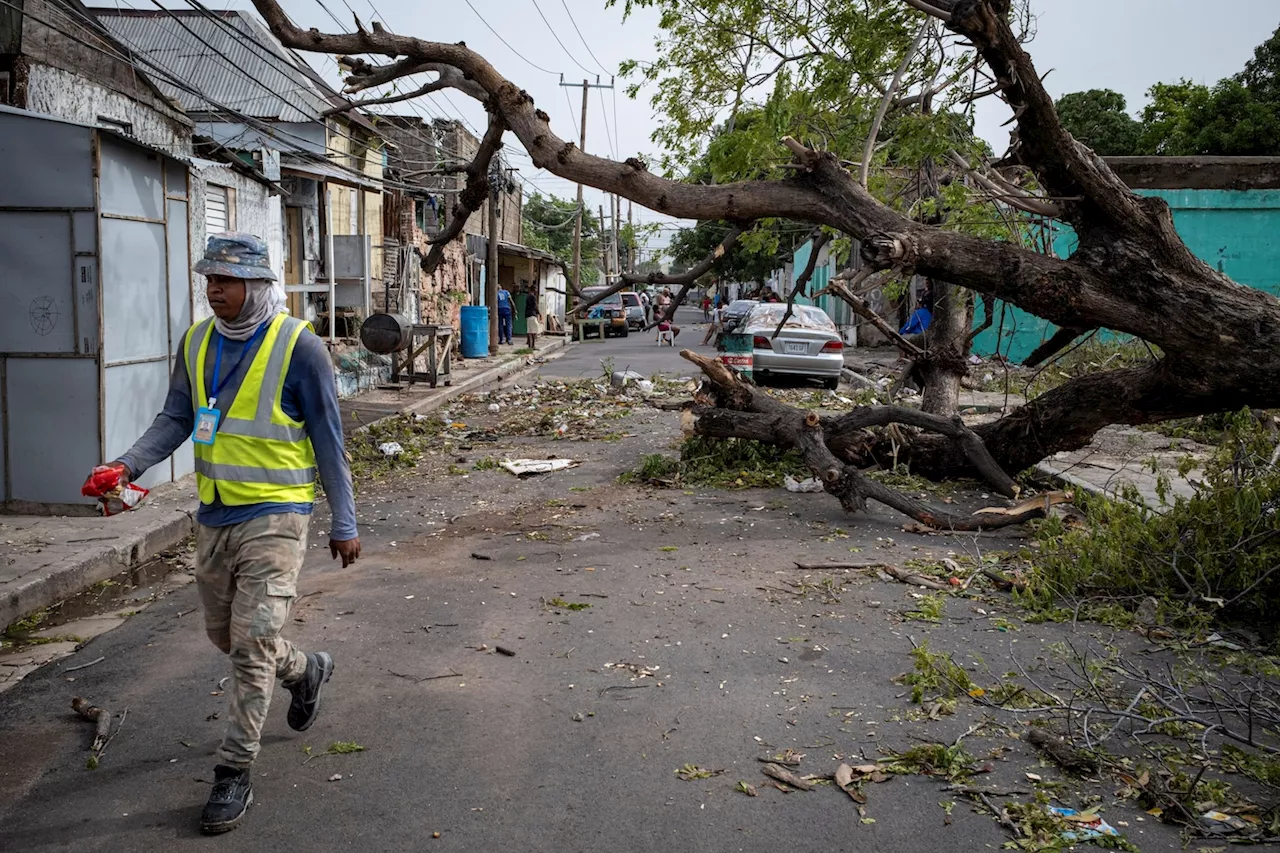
{"x":472,"y":196}
{"x":931,"y":9}
{"x":863,"y":310}
{"x":819,"y":240}
{"x":869,"y":149}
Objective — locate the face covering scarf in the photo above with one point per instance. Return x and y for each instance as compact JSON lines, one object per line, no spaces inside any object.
{"x":262,"y":300}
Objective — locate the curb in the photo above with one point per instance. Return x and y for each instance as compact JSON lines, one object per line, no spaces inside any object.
{"x":492,"y":376}
{"x":145,"y":539}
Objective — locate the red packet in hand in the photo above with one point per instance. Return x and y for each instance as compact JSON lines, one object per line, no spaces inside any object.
{"x":114,"y":492}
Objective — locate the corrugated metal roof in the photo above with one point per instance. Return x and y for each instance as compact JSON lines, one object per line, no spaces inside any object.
{"x":250,"y":72}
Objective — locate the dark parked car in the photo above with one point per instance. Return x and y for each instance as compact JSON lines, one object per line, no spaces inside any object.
{"x":635,"y":310}
{"x":737,"y":309}
{"x":610,"y":308}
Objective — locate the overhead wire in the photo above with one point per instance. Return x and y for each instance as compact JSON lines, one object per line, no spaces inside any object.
{"x":89,"y":25}
{"x":598,"y":63}
{"x":556,"y":36}
{"x":504,"y":41}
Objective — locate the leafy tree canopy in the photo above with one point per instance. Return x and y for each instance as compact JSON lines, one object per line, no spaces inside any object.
{"x":1239,"y":116}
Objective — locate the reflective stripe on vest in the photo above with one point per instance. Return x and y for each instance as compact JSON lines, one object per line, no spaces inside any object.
{"x":260,"y":455}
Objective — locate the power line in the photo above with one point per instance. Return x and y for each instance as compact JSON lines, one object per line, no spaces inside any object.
{"x":504,"y":41}
{"x":609,"y":135}
{"x":556,"y":36}
{"x":584,"y":41}
{"x":160,"y":73}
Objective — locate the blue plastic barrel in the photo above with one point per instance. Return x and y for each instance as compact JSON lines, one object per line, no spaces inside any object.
{"x":475,"y":331}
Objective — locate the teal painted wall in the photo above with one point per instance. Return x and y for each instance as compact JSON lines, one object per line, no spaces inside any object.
{"x":1234,"y":231}
{"x":836,"y":310}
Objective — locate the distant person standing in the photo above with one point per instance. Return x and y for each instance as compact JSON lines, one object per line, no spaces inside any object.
{"x":532,"y":317}
{"x":717,"y":323}
{"x":505,"y":316}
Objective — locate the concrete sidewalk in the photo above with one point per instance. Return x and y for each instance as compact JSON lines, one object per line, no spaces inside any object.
{"x":44,"y":559}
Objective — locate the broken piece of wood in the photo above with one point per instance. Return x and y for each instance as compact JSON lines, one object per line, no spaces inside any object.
{"x":99,"y":716}
{"x":914,"y":578}
{"x":817,"y":567}
{"x":783,"y":775}
{"x":1061,"y":753}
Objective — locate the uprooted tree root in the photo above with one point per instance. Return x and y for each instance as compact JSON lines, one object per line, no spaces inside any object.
{"x":727,"y":407}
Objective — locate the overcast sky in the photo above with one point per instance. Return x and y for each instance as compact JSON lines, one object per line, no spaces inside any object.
{"x":1125,"y":45}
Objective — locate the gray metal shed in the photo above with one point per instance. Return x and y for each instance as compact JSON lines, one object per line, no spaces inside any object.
{"x":95,"y":294}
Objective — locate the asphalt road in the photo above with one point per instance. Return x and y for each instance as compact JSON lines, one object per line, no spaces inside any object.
{"x":638,"y":351}
{"x":552,"y":748}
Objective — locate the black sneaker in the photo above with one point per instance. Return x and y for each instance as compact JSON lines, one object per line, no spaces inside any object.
{"x":232,"y":795}
{"x":306,"y":691}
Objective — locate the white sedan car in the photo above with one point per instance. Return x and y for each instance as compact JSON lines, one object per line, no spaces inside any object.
{"x":807,"y":345}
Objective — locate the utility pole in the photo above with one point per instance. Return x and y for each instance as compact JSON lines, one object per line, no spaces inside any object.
{"x":617,"y":208}
{"x":577,"y":228}
{"x":491,"y":264}
{"x":631,"y":250}
{"x":604,"y":256}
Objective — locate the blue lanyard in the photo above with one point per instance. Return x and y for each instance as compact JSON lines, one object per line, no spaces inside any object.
{"x":217,"y":362}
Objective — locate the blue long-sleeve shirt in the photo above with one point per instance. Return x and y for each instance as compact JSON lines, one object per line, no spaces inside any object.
{"x":309,"y":395}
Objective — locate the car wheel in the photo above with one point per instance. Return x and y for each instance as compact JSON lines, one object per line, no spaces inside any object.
{"x":626,"y":330}
{"x":831,"y":383}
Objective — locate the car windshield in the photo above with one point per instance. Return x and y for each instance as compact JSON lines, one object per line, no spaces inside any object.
{"x":740,"y":306}
{"x":803,"y":317}
{"x":612,"y":299}
{"x":631,"y":300}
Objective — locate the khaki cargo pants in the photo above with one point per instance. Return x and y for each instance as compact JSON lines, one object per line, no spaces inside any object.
{"x":247,"y":575}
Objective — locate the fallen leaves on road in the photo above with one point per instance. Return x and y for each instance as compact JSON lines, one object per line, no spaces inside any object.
{"x":690,"y":772}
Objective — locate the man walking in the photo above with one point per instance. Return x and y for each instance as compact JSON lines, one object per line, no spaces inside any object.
{"x":505,"y":317}
{"x":254,"y":390}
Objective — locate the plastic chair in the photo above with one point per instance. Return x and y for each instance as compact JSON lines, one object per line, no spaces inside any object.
{"x":665,"y":335}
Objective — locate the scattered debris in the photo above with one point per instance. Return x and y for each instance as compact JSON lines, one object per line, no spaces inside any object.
{"x":450,"y":674}
{"x":1061,"y":753}
{"x":1091,"y":825}
{"x":914,"y":578}
{"x":783,"y":775}
{"x":530,"y":467}
{"x":749,"y":790}
{"x":503,"y":650}
{"x":621,"y":378}
{"x":390,"y":448}
{"x":635,"y":669}
{"x":844,"y":781}
{"x":690,"y":772}
{"x":85,"y":665}
{"x":789,"y":757}
{"x":812,"y":484}
{"x":476,"y":556}
{"x":336,"y":777}
{"x":100,"y":716}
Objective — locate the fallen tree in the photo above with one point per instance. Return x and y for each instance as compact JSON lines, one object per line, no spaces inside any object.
{"x":728,"y":407}
{"x":1219,"y":341}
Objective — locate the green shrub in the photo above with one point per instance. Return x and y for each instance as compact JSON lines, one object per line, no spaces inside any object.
{"x":1215,"y":554}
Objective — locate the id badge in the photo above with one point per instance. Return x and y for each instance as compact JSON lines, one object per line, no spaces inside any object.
{"x":206,"y":425}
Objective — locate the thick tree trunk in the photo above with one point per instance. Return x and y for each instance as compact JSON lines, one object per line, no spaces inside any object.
{"x":743,"y":412}
{"x":947,"y":346}
{"x":1131,"y":271}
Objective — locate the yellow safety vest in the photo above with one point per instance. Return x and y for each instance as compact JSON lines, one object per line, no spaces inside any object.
{"x":260,"y":454}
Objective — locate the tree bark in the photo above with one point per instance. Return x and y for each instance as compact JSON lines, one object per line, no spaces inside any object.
{"x":946,"y":348}
{"x":1131,"y":272}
